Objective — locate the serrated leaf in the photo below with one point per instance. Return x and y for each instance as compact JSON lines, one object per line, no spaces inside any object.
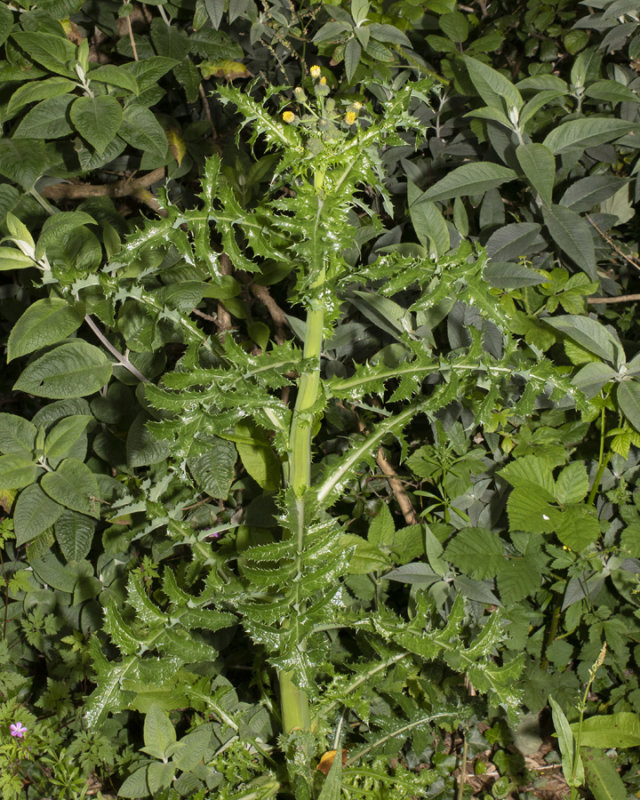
{"x":116,"y":76}
{"x":34,"y":513}
{"x":141,"y":130}
{"x":16,"y":471}
{"x":45,"y":322}
{"x":74,"y":486}
{"x":48,"y":120}
{"x":478,"y":552}
{"x":213,"y":469}
{"x":74,"y":534}
{"x":70,"y":370}
{"x":64,"y":434}
{"x":159,"y":733}
{"x":56,"y":53}
{"x":38,"y":90}
{"x":97,"y":119}
{"x":17,"y":435}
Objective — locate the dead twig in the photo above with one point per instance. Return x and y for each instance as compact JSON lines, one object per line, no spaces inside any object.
{"x":122,"y":188}
{"x":275,"y":312}
{"x":622,"y":298}
{"x":613,"y":245}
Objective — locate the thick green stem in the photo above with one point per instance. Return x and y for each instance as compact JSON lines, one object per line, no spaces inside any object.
{"x":293,"y":701}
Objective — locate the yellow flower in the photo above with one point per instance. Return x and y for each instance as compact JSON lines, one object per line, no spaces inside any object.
{"x":315,"y":71}
{"x":357,"y":106}
{"x":288,"y":116}
{"x":350,"y":117}
{"x":323,"y":81}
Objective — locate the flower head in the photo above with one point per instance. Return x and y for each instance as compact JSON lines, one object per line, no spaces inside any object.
{"x":288,"y":116}
{"x":315,"y":71}
{"x":18,"y":730}
{"x":299,"y":94}
{"x":350,"y":117}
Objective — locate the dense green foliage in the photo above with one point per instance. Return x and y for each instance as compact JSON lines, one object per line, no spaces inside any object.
{"x":320,"y":425}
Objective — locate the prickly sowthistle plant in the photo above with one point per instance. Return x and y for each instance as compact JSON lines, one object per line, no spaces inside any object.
{"x":355,"y":656}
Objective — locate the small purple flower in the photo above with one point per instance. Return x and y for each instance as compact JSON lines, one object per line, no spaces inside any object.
{"x":18,"y":730}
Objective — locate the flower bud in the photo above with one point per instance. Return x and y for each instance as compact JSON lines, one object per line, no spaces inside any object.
{"x":300,"y":94}
{"x":289,"y":116}
{"x":315,"y":71}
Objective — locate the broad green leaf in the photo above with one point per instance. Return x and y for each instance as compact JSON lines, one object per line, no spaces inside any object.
{"x":603,"y":780}
{"x":64,"y":434}
{"x":531,"y":473}
{"x":34,"y":513}
{"x":496,"y":90}
{"x":572,"y":484}
{"x":11,"y":258}
{"x":75,"y":369}
{"x":135,"y":785}
{"x":430,"y":227}
{"x":16,"y":471}
{"x":478,"y":552}
{"x":48,"y":120}
{"x":415,"y":572}
{"x":116,"y":76}
{"x":586,"y":193}
{"x":55,"y":233}
{"x":365,"y":558}
{"x":619,"y":730}
{"x":619,"y":205}
{"x":159,"y":733}
{"x":141,"y":130}
{"x":143,"y":448}
{"x":74,"y":486}
{"x":74,"y":534}
{"x":583,"y":133}
{"x":169,"y":41}
{"x":529,"y":512}
{"x":212,"y":465}
{"x":215,"y":10}
{"x":19,"y":232}
{"x":388,"y":33}
{"x":511,"y":242}
{"x":628,"y":395}
{"x":571,"y":760}
{"x":97,"y":119}
{"x":382,"y":528}
{"x":469,"y":179}
{"x":572,"y":234}
{"x":352,"y":53}
{"x":17,"y":435}
{"x":576,"y":527}
{"x":45,"y":322}
{"x":39,"y":90}
{"x":455,"y":27}
{"x":590,"y":334}
{"x":592,"y":377}
{"x":517,"y":578}
{"x":24,"y":161}
{"x":331,"y":788}
{"x":505,"y":275}
{"x":257,"y":456}
{"x":612,"y":92}
{"x":56,"y":53}
{"x":331,"y":31}
{"x":6,"y":23}
{"x":539,"y":167}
